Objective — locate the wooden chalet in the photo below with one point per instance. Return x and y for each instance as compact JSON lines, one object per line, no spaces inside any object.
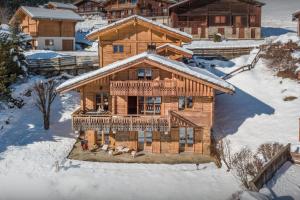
{"x":90,"y":7}
{"x":296,"y":17}
{"x":149,"y":103}
{"x":154,"y":9}
{"x":133,"y":35}
{"x":142,"y":97}
{"x":51,"y":29}
{"x":233,"y":19}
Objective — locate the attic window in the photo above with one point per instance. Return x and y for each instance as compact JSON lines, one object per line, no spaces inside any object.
{"x":118,"y":48}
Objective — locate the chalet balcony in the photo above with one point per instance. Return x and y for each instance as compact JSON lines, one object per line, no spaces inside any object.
{"x":105,"y":121}
{"x":144,"y":88}
{"x":183,"y":24}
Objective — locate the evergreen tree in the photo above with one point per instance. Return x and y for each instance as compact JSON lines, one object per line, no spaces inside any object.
{"x":12,"y":59}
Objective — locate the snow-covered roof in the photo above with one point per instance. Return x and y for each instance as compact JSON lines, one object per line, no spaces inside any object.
{"x":176,"y":47}
{"x":62,"y":5}
{"x":186,"y":1}
{"x":175,"y":65}
{"x":109,"y":26}
{"x":205,"y":44}
{"x":53,"y":14}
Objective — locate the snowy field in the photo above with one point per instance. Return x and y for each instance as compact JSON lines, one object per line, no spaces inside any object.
{"x":254,"y":115}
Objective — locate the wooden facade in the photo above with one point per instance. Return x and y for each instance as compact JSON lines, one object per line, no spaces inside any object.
{"x":47,"y":33}
{"x":149,"y":101}
{"x":296,"y":17}
{"x":131,"y":37}
{"x":90,"y":7}
{"x":233,"y":19}
{"x":162,"y":111}
{"x":155,"y":9}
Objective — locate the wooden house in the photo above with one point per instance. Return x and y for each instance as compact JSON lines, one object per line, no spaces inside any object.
{"x":233,"y":19}
{"x":156,"y":10}
{"x":58,"y":5}
{"x":52,"y":29}
{"x":133,"y":35}
{"x":296,"y":17}
{"x":90,"y":7}
{"x":148,"y":103}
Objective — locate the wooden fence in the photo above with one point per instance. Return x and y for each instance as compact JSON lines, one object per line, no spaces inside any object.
{"x":270,"y":168}
{"x":70,"y":64}
{"x":228,"y":53}
{"x":245,"y":67}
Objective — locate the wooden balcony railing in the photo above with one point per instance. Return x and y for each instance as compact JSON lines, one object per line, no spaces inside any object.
{"x":95,"y":121}
{"x":183,"y":24}
{"x":144,"y":88}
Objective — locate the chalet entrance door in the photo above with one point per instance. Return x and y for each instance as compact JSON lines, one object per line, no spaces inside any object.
{"x":132,"y":105}
{"x":203,"y":32}
{"x":241,"y":33}
{"x":253,"y":35}
{"x":67,"y":45}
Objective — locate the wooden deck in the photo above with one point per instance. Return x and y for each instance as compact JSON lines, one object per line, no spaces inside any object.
{"x":142,"y":157}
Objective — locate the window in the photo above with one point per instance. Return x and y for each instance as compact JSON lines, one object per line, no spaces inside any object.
{"x":144,"y":74}
{"x":252,"y":19}
{"x":185,"y":102}
{"x":220,"y":19}
{"x":49,"y":42}
{"x":186,"y":137}
{"x":133,"y":1}
{"x":148,"y":138}
{"x":118,"y":48}
{"x":238,"y":21}
{"x":149,"y":105}
{"x":102,"y":103}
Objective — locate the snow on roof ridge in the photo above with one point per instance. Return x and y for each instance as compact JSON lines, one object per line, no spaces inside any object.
{"x":179,"y":66}
{"x":143,"y":19}
{"x":46,"y":13}
{"x":62,"y":5}
{"x":176,"y":47}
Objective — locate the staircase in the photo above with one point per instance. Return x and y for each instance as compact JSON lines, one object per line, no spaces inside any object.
{"x":252,"y":61}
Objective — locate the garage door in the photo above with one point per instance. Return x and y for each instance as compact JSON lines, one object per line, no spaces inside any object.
{"x":67,"y":45}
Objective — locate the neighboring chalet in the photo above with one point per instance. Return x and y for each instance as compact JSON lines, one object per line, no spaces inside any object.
{"x":58,"y":5}
{"x":233,"y":19}
{"x":296,"y":17}
{"x":90,"y":7}
{"x":52,"y":29}
{"x":156,"y":10}
{"x":145,"y":101}
{"x":133,"y":35}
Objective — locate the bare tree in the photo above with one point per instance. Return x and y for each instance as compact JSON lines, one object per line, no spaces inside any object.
{"x":224,"y":150}
{"x":241,"y":163}
{"x":269,"y":150}
{"x":45,"y":95}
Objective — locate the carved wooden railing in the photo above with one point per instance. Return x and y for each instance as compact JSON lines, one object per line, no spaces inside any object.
{"x":144,"y":88}
{"x":178,"y":120}
{"x":119,"y":123}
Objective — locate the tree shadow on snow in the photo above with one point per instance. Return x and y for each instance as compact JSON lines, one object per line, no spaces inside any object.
{"x":233,"y":110}
{"x":271,"y":31}
{"x":28,"y":128}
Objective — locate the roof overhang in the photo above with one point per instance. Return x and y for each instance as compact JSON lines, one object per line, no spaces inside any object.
{"x":122,"y":65}
{"x":184,"y":37}
{"x":176,"y":49}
